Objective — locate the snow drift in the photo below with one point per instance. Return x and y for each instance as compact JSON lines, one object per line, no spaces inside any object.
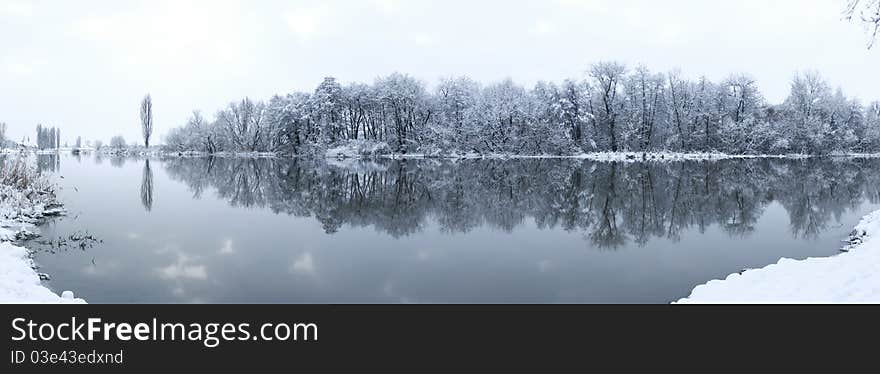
{"x":19,"y":283}
{"x":850,"y":277}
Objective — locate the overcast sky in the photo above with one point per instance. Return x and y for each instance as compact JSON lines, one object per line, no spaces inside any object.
{"x":84,"y":65}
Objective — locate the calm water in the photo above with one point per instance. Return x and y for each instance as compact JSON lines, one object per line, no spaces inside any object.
{"x":531,"y":231}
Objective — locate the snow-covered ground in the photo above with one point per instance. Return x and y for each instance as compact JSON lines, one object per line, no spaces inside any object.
{"x":670,"y":156}
{"x":21,"y":207}
{"x":369,"y":149}
{"x":360,"y":148}
{"x":598,"y":156}
{"x":850,"y":277}
{"x":19,"y":283}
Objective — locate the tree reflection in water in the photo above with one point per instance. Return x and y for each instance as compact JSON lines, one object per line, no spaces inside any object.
{"x":147,"y":187}
{"x":611,"y":203}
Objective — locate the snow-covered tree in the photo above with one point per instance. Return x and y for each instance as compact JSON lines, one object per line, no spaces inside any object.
{"x":743,"y":99}
{"x":645,"y":105}
{"x":574,"y":109}
{"x":559,"y":117}
{"x":502,"y":118}
{"x":244,"y":124}
{"x":707,"y":113}
{"x":872,"y":126}
{"x":407,"y":109}
{"x":117,"y":142}
{"x":146,"y":114}
{"x":806,"y":118}
{"x":613,"y":110}
{"x":40,"y":136}
{"x":456,"y":99}
{"x":607,"y":77}
{"x":680,"y":107}
{"x":2,"y":135}
{"x":327,"y":102}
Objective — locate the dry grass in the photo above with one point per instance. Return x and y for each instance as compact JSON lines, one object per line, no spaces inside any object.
{"x":16,"y":173}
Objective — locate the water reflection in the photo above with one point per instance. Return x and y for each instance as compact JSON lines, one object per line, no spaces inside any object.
{"x":116,"y":161}
{"x":610,"y":203}
{"x":147,"y":187}
{"x":440,"y":230}
{"x":49,"y":163}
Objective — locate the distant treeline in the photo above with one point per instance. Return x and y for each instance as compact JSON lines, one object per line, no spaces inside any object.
{"x":48,"y":138}
{"x":612,"y":109}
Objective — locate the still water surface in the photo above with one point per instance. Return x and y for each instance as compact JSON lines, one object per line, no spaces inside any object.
{"x":520,"y":231}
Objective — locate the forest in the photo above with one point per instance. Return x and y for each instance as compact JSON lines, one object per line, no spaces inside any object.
{"x":613,"y":108}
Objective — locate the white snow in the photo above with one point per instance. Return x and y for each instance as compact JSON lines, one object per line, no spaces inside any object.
{"x":368,"y":149}
{"x":667,"y":156}
{"x":358,"y":148}
{"x":19,"y":283}
{"x":850,"y":277}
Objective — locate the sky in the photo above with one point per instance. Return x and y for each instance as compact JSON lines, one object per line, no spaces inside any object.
{"x":84,"y":65}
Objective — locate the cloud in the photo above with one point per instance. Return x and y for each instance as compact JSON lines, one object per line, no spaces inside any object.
{"x":181,"y":269}
{"x":303,"y":264}
{"x":227,"y":248}
{"x":306,"y":23}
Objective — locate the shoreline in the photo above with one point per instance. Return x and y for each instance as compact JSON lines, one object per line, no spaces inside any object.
{"x":851,"y":276}
{"x":622,"y":156}
{"x":20,"y":282}
{"x":20,"y":213}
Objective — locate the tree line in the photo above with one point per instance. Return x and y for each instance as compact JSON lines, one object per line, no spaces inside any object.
{"x":613,"y":108}
{"x":48,"y":138}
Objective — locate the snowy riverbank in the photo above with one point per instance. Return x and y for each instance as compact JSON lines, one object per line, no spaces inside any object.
{"x":19,"y":283}
{"x":850,"y":277}
{"x":373,"y":151}
{"x":24,"y":203}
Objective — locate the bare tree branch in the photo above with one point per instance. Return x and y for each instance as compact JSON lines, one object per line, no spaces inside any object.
{"x":866,"y":12}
